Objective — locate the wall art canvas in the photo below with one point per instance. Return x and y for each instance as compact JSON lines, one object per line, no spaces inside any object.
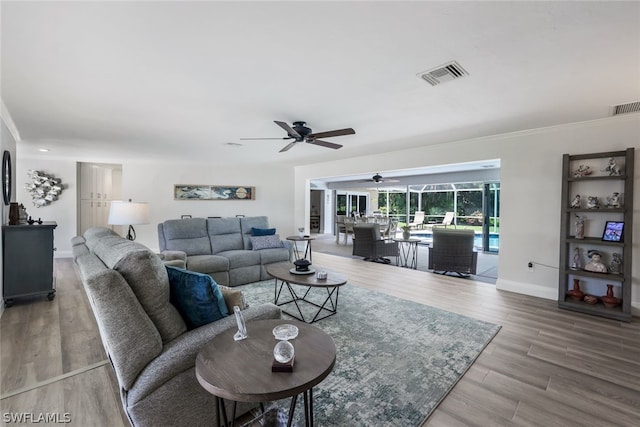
{"x":213,"y":192}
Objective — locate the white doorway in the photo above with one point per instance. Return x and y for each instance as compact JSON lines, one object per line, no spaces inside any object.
{"x":98,"y":185}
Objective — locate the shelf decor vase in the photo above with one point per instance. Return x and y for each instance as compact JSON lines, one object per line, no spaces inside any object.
{"x":14,"y":214}
{"x":609,"y":300}
{"x":576,"y":294}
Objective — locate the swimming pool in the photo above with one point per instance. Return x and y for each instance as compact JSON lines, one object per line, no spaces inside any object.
{"x":494,"y":239}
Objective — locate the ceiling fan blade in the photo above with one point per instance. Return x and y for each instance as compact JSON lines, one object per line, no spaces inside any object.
{"x":249,"y":139}
{"x":337,"y":132}
{"x":291,"y":144}
{"x":288,"y":129}
{"x":324,"y":143}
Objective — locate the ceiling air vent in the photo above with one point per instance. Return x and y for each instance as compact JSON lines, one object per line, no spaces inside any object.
{"x":631,"y":107}
{"x":443,"y":73}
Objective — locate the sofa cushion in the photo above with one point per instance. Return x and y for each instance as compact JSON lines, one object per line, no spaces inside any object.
{"x":147,"y":276}
{"x":262,"y":231}
{"x":186,"y":235}
{"x":266,"y":242}
{"x":207,"y":263}
{"x":268,"y":256}
{"x":130,"y":337}
{"x":94,"y":235}
{"x":224,"y":234}
{"x":249,"y":222}
{"x":196,"y":296}
{"x":241,"y":258}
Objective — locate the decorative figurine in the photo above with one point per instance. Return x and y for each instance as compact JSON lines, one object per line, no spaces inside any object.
{"x":592,"y":202}
{"x":595,"y":265}
{"x":613,"y":201}
{"x":582,"y":171}
{"x":616,"y":264}
{"x":580,"y":226}
{"x":576,"y":264}
{"x":575,"y":203}
{"x":612,"y":167}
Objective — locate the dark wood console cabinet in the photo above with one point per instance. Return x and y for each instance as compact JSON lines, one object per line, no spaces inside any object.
{"x":28,"y":261}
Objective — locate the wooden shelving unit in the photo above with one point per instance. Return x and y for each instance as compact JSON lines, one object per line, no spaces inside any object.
{"x":601,"y":185}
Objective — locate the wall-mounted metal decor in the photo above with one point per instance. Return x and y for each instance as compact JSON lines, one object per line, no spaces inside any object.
{"x":213,"y":192}
{"x":43,"y":188}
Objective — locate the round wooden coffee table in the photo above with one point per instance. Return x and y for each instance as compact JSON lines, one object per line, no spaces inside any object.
{"x":281,"y":271}
{"x":241,"y":370}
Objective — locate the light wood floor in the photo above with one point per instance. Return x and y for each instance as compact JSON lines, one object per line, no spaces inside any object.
{"x":546,"y":367}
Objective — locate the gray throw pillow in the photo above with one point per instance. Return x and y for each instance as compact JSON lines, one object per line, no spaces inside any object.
{"x":266,"y":242}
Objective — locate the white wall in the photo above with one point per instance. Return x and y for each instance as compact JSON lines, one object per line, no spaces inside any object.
{"x":531,"y":165}
{"x":531,"y":173}
{"x":62,"y":211}
{"x":153,"y":183}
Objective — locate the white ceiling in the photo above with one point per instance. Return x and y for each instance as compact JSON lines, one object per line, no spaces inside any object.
{"x":111,"y":81}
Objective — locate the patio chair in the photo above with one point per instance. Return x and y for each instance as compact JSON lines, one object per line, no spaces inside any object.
{"x":446,"y":221}
{"x":452,"y":251}
{"x":418,"y":220}
{"x":368,"y":243}
{"x":390,"y":231}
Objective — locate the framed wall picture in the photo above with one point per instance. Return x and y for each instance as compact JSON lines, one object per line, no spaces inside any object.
{"x":613,"y":231}
{"x":213,"y":192}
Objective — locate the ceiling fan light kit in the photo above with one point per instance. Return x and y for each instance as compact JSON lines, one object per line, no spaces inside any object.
{"x":299,"y":132}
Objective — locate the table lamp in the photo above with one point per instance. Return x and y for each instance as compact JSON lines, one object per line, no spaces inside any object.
{"x":129,"y":213}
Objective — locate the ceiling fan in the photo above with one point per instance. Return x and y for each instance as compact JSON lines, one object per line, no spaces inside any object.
{"x":377,"y":178}
{"x":301,"y":133}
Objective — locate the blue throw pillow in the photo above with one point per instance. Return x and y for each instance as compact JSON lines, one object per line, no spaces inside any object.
{"x":263,"y":231}
{"x":196,"y":296}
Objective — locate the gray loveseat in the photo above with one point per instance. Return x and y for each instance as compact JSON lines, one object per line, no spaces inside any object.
{"x":220,"y":247}
{"x":146,"y":339}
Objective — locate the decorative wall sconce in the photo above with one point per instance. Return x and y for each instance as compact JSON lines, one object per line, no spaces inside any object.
{"x":43,"y":188}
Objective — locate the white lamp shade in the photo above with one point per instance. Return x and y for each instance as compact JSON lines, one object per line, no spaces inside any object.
{"x":128,"y":213}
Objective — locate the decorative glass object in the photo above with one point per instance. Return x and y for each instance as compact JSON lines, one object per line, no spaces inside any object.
{"x":242,"y":328}
{"x":283,"y":352}
{"x":285,"y":332}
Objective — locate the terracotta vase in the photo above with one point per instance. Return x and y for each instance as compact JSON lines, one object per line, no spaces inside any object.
{"x":609,"y":300}
{"x":576,"y":294}
{"x":14,"y":214}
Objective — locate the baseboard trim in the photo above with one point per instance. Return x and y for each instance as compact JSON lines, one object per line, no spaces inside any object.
{"x":530,"y":289}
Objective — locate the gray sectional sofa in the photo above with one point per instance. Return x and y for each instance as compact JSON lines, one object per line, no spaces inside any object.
{"x":145,"y":337}
{"x":220,"y":247}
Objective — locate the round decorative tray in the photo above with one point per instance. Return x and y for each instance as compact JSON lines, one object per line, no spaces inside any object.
{"x":285,"y":332}
{"x":311,"y":270}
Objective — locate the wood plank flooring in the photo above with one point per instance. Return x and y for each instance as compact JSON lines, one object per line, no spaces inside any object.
{"x":546,"y":367}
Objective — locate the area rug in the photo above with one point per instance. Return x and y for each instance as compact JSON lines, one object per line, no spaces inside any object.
{"x":396,"y":359}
